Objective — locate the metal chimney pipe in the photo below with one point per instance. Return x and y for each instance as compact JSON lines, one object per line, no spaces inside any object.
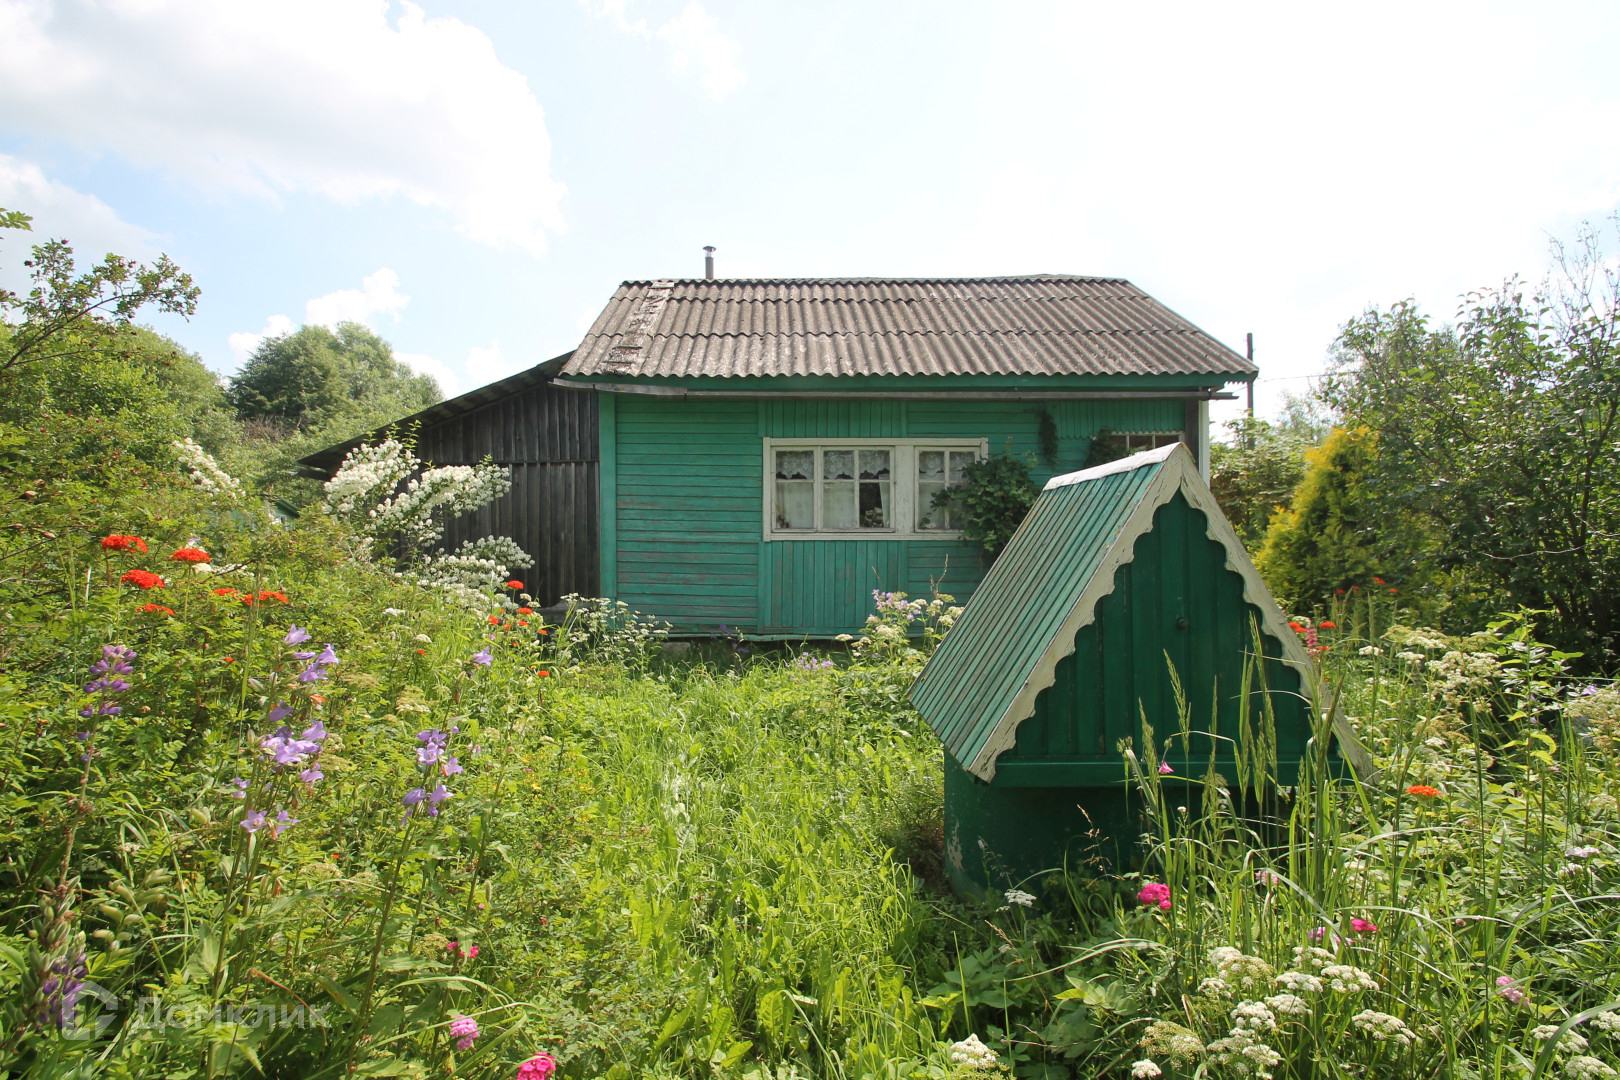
{"x":708,"y":263}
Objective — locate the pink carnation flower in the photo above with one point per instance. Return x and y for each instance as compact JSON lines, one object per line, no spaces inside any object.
{"x":539,"y":1067}
{"x":1362,"y":926}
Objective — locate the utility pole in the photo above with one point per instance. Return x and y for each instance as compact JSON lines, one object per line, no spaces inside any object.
{"x":1251,"y":381}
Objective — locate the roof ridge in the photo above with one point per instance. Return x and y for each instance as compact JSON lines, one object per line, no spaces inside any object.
{"x":876,"y":280}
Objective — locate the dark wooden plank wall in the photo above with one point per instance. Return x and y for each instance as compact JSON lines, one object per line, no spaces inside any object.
{"x":547,"y":437}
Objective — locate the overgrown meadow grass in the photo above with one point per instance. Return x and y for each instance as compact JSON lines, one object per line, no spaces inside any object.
{"x":708,"y":863}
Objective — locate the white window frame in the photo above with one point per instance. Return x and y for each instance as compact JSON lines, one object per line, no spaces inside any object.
{"x":903,"y":478}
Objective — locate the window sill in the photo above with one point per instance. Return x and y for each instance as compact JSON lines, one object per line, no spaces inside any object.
{"x":865,"y":534}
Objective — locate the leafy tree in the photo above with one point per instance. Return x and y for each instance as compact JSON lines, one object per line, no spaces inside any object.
{"x":1502,"y":436}
{"x":1255,"y":473}
{"x":309,"y":378}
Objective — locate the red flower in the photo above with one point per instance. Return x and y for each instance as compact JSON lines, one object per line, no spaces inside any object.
{"x":225,"y":592}
{"x":1338,"y":592}
{"x":189,"y":554}
{"x":1327,"y":625}
{"x":269,"y":595}
{"x":1424,"y":791}
{"x":228,"y":659}
{"x":1392,"y":592}
{"x":522,"y":622}
{"x":247,"y":598}
{"x":1295,"y":627}
{"x":120,"y":542}
{"x":156,"y":608}
{"x":144,"y":579}
{"x":494,"y":620}
{"x":514,"y":584}
{"x":1362,"y":926}
{"x":525,"y":611}
{"x":544,"y":674}
{"x":421,"y":652}
{"x":543,"y":630}
{"x":1379,"y":581}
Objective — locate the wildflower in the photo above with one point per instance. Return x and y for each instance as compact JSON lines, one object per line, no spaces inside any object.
{"x":254,"y":821}
{"x":189,"y":554}
{"x":241,"y":788}
{"x":1370,"y":650}
{"x":467,"y":953}
{"x":494,"y":620}
{"x":142,"y":579}
{"x":435,"y":797}
{"x":973,"y":1054}
{"x":1145,"y":1070}
{"x":1165,"y":769}
{"x":1327,"y":624}
{"x":1424,"y":791}
{"x":392,"y":611}
{"x":1298,"y":982}
{"x":539,"y":1067}
{"x":423,"y":638}
{"x":283,"y":822}
{"x":120,"y":542}
{"x":312,"y":774}
{"x":1288,"y":1005}
{"x":1267,"y":877}
{"x":225,"y":591}
{"x":277,"y":596}
{"x":1585,"y":852}
{"x":156,"y":609}
{"x":227,"y":659}
{"x":1383,"y":1027}
{"x":432,"y":737}
{"x":1019,"y":898}
{"x":1362,"y":926}
{"x":1249,"y":974}
{"x":525,"y":611}
{"x":296,"y":635}
{"x":543,"y":674}
{"x":1379,"y":581}
{"x":1570,"y":1043}
{"x":1253,"y":1016}
{"x":514,"y":584}
{"x":450,"y":765}
{"x":1508,"y":987}
{"x":1214,"y":987}
{"x":1344,"y":979}
{"x":1244,"y":1054}
{"x":1295,"y":627}
{"x":1586,"y":1067}
{"x":1168,"y":1039}
{"x":429,"y":754}
{"x":315,"y":732}
{"x":1154,"y":894}
{"x":483,"y":657}
{"x":1608,"y":1021}
{"x":464,"y":1029}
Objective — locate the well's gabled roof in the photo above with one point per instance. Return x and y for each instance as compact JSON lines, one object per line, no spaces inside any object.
{"x":1044,"y":324}
{"x":982,"y":681}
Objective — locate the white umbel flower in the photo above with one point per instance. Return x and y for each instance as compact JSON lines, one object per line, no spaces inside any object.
{"x":1146,"y":1069}
{"x":1607,"y":1021}
{"x":1344,"y":979}
{"x":973,"y":1054}
{"x":1299,"y":982}
{"x":1570,"y":1043}
{"x":1585,"y":1067}
{"x":1383,"y":1027}
{"x":1288,"y":1005}
{"x":1019,"y":898}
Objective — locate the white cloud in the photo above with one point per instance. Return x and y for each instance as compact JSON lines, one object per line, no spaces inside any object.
{"x":423,"y":364}
{"x":378,"y":294}
{"x":695,"y":40}
{"x":487,"y":365}
{"x":332,"y":97}
{"x":243,"y":343}
{"x":60,"y":212}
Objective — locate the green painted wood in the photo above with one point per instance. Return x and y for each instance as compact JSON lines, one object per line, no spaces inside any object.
{"x":683,"y":492}
{"x":608,"y":492}
{"x":1119,"y":663}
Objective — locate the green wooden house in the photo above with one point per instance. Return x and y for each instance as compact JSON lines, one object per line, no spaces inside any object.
{"x":769,"y":448}
{"x":1118,"y":573}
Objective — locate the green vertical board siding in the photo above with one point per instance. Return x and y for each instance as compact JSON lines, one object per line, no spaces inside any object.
{"x":688,"y":496}
{"x":683,"y":495}
{"x":1118,"y":670}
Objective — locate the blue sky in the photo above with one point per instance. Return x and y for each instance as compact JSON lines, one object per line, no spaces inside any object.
{"x":473,"y":178}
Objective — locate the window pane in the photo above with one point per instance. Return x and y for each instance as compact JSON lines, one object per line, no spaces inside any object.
{"x":874,"y":465}
{"x":874,"y":499}
{"x":837,"y":504}
{"x":959,"y":461}
{"x":838,"y":465}
{"x":927,"y":516}
{"x":795,"y":464}
{"x":931,"y":465}
{"x":795,"y":504}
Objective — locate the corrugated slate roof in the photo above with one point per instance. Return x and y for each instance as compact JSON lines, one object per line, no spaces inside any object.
{"x":982,"y":681}
{"x":1045,"y":324}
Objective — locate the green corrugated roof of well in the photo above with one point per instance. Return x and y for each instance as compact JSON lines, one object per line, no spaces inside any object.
{"x":985,"y":661}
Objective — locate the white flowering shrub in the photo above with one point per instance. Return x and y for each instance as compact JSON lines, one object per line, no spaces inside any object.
{"x":205,"y":471}
{"x":903,"y":630}
{"x":607,"y":631}
{"x":475,"y":572}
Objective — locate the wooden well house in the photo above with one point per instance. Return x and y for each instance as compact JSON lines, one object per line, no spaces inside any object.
{"x":760,"y":455}
{"x":1118,"y":574}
